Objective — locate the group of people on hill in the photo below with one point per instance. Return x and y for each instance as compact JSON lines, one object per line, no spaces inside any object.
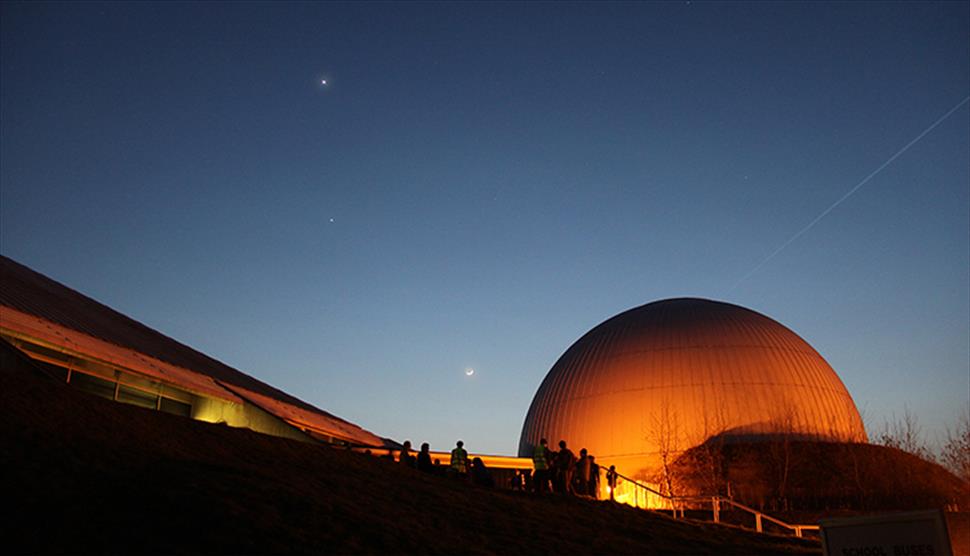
{"x":422,"y":461}
{"x":562,"y":472}
{"x":554,"y":471}
{"x":459,"y":466}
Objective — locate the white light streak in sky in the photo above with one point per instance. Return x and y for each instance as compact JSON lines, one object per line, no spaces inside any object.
{"x":849,"y":193}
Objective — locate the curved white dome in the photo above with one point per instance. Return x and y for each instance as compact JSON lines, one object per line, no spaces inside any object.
{"x":679,"y":371}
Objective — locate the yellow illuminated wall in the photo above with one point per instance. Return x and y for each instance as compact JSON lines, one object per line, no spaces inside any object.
{"x":213,"y":410}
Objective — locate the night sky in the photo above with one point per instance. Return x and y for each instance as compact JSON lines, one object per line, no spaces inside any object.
{"x":477,"y":185}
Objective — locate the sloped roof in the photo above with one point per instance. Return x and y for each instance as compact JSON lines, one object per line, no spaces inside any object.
{"x":65,"y":316}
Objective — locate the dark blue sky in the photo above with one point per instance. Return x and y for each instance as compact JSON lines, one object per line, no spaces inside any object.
{"x":500,"y":179}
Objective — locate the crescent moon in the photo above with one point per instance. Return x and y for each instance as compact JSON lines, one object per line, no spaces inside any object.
{"x":469,"y":371}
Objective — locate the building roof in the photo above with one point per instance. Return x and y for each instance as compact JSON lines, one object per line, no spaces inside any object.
{"x":31,"y":302}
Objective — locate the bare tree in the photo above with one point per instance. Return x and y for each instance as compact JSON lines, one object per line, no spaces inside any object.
{"x":785,"y":427}
{"x":713,"y":447}
{"x":905,"y":434}
{"x":955,"y":453}
{"x":865,"y":417}
{"x":665,"y":433}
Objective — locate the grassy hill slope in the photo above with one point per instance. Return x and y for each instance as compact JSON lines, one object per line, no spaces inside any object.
{"x":87,"y":475}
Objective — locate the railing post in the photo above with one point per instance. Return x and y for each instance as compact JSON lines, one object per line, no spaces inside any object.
{"x":757,"y":522}
{"x":716,"y":507}
{"x":798,"y":531}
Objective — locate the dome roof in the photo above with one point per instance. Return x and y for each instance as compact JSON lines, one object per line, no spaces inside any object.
{"x":676,"y":372}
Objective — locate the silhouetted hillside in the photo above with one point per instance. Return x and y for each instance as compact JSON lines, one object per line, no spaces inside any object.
{"x":85,"y":475}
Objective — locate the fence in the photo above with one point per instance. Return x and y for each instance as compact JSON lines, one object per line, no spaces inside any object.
{"x":679,"y":504}
{"x":643,"y":496}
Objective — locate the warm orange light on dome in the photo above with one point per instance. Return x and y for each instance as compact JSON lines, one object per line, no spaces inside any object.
{"x":664,"y":377}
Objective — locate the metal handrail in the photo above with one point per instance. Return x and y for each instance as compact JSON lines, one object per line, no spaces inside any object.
{"x":716,"y":500}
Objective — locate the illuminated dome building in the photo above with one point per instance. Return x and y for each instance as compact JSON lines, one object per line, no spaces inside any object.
{"x":664,"y":377}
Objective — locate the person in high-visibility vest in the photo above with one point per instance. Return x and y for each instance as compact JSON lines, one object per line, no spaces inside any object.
{"x":459,"y":460}
{"x":540,"y":479}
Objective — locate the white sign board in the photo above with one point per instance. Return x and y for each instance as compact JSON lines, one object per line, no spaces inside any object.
{"x":901,"y":534}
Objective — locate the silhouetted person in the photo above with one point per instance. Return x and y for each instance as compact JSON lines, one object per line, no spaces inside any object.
{"x":565,"y":465}
{"x":459,"y":460}
{"x":540,"y":462}
{"x":480,"y":474}
{"x":516,"y":483}
{"x":611,"y":480}
{"x":594,"y":477}
{"x":424,"y":459}
{"x":405,"y":457}
{"x":582,"y":473}
{"x":551,"y":456}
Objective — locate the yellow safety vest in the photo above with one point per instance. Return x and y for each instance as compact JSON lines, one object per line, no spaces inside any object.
{"x":459,"y":460}
{"x":539,"y":458}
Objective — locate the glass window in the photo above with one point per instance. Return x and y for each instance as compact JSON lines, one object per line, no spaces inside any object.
{"x":44,"y":351}
{"x":54,"y":370}
{"x":137,"y":397}
{"x":176,"y":407}
{"x":171,"y":392}
{"x":95,"y":368}
{"x":142,"y":383}
{"x":93,"y":384}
